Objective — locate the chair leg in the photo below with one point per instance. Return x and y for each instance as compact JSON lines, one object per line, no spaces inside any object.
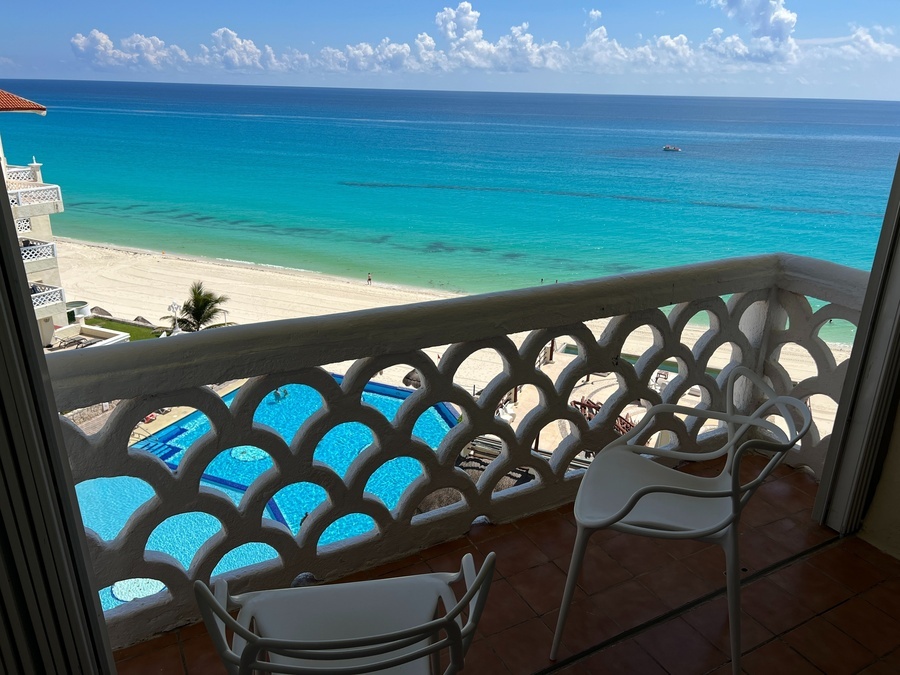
{"x":581,"y":540}
{"x":733,"y":590}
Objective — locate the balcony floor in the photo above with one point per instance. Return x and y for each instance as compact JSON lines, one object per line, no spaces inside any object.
{"x":811,"y":602}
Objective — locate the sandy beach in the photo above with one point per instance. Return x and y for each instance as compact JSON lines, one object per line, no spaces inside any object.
{"x":133,"y":282}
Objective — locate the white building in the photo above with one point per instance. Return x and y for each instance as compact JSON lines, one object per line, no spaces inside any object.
{"x":33,"y":202}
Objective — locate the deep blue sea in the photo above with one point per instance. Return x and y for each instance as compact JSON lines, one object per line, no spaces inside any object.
{"x":461,"y":191}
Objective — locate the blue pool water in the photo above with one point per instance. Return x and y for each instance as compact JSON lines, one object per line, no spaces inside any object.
{"x":107,"y":503}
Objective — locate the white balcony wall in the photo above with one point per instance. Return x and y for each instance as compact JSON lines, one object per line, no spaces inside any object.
{"x":29,"y":199}
{"x":755,"y":309}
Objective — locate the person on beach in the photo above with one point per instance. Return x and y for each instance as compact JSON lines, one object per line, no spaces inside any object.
{"x":369,"y":279}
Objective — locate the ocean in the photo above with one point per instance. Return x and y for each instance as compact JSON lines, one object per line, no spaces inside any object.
{"x":460,"y":191}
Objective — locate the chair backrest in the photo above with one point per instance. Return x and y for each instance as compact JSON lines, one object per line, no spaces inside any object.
{"x":385,"y":652}
{"x":743,"y":430}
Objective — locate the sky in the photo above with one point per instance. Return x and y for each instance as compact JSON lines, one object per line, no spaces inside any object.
{"x":774,"y":48}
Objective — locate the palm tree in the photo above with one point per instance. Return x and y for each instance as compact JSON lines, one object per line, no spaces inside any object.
{"x":199,"y":311}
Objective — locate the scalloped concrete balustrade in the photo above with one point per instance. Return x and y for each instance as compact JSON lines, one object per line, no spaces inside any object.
{"x":752,"y":311}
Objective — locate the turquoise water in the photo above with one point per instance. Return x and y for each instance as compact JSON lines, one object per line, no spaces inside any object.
{"x":107,"y":503}
{"x":464,"y":191}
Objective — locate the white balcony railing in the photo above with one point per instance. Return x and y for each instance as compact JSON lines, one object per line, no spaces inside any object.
{"x":22,"y":173}
{"x":43,"y":295}
{"x":34,"y":195}
{"x":755,"y":311}
{"x":38,"y":251}
{"x":23,"y":225}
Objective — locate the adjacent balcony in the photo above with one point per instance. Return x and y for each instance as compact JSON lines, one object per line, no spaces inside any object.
{"x":515,"y":368}
{"x":35,"y":251}
{"x":47,"y":300}
{"x":33,"y":199}
{"x":21,"y":174}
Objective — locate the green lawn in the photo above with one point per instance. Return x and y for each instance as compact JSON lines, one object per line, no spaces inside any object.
{"x":136,"y":332}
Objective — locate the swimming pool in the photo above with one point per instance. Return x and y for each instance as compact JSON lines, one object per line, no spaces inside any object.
{"x":107,"y":503}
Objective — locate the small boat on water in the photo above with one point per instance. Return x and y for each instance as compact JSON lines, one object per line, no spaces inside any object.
{"x":671,"y":148}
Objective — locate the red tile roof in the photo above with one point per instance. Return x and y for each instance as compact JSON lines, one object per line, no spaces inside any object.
{"x":12,"y":103}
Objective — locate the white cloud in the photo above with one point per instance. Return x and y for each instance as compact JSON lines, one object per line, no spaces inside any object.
{"x":231,"y":52}
{"x":730,"y":48}
{"x":765,"y":18}
{"x":135,"y":51}
{"x":771,"y":27}
{"x":764,"y":42}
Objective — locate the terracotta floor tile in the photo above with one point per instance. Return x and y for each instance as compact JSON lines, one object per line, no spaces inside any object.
{"x":786,"y":496}
{"x":781,"y":471}
{"x":803,"y":481}
{"x":192,"y":631}
{"x":711,"y":620}
{"x":586,"y":626}
{"x":751,"y":465}
{"x":886,"y":597}
{"x":708,"y":564}
{"x":797,"y":533}
{"x":884,"y":562}
{"x":164,"y":661}
{"x":154,"y":644}
{"x":577,"y":668}
{"x":879,"y":668}
{"x":534,"y":518}
{"x":504,"y":608}
{"x":847,"y":568}
{"x":629,"y":604}
{"x":445,"y":548}
{"x":542,"y":587}
{"x":481,"y":532}
{"x":828,"y":648}
{"x":386,"y":570}
{"x":811,"y":587}
{"x":676,"y":584}
{"x":200,"y":656}
{"x":682,"y":548}
{"x":867,"y":624}
{"x":555,"y":537}
{"x":624,"y":658}
{"x":680,"y":649}
{"x":758,"y":552}
{"x":760,"y":512}
{"x":525,"y":648}
{"x":773,"y":607}
{"x":481,"y":658}
{"x":777,"y":658}
{"x":598,"y":570}
{"x":449,"y":561}
{"x":636,"y":554}
{"x":515,"y":552}
{"x":893,"y":659}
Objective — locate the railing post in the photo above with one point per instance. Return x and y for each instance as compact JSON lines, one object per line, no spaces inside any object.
{"x":757,"y":323}
{"x":36,"y":170}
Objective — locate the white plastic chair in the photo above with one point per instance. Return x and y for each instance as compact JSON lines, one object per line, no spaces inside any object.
{"x":383,"y":625}
{"x":626,"y":490}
